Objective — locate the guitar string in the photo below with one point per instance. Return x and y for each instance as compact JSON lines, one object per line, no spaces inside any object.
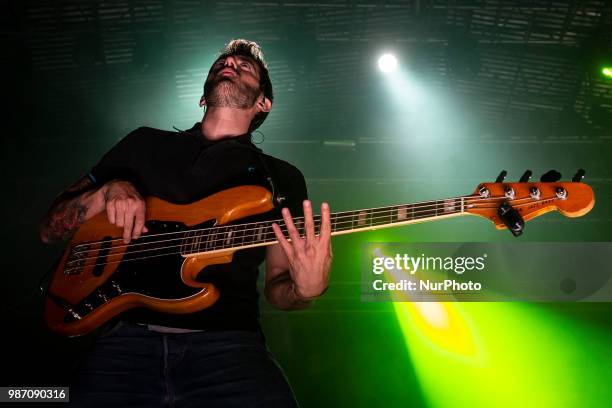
{"x":338,"y":215}
{"x":180,"y":253}
{"x":214,"y":241}
{"x":298,"y":220}
{"x":181,"y":245}
{"x":169,"y":253}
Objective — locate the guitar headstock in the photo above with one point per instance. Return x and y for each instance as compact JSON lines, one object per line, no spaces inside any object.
{"x":510,"y":205}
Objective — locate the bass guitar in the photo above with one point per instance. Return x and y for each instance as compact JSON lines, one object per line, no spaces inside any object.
{"x":99,"y":276}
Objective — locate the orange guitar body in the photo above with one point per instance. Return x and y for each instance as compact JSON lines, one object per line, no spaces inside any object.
{"x":73,"y":286}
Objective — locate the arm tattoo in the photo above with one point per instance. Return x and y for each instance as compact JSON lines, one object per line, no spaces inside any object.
{"x":67,"y":217}
{"x":80,"y":186}
{"x":67,"y":212}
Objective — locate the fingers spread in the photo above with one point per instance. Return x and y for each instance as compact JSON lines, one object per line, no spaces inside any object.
{"x":293,"y":232}
{"x":325,"y":223}
{"x":282,"y":240}
{"x":308,"y":222}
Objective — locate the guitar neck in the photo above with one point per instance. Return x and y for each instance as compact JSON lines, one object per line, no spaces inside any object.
{"x":241,"y":236}
{"x":384,"y":217}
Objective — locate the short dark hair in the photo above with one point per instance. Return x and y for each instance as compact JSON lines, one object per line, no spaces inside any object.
{"x":253,"y":50}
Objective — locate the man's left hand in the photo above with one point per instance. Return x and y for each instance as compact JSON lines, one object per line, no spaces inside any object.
{"x":309,"y":256}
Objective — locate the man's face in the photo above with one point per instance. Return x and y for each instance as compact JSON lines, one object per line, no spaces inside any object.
{"x":233,"y":82}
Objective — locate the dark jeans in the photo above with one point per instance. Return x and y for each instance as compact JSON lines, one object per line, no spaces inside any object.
{"x":132,"y":366}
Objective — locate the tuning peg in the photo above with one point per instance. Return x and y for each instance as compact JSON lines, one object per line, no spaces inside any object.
{"x":550,"y":176}
{"x":578,"y":176}
{"x":526,"y":176}
{"x":501,"y":176}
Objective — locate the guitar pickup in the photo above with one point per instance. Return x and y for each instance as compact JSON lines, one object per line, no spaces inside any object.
{"x":105,"y":247}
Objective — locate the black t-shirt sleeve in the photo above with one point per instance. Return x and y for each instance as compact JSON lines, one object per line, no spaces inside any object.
{"x":291,"y":185}
{"x":120,"y":161}
{"x":297,"y":194}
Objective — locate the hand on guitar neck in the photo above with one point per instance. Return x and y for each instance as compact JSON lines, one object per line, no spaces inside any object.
{"x":308,"y":257}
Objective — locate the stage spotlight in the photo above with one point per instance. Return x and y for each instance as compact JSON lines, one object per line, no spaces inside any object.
{"x":607,"y":72}
{"x":387,"y":63}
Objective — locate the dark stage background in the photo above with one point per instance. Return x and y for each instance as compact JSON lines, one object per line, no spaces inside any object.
{"x":481,"y":86}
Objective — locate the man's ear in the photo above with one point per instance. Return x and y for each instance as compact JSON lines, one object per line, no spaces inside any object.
{"x":202,"y":102}
{"x":264,"y":104}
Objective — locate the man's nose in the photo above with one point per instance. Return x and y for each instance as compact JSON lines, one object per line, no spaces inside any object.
{"x":231,"y":62}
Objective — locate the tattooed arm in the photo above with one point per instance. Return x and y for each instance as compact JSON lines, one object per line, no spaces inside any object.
{"x":71,"y":208}
{"x":82,"y":200}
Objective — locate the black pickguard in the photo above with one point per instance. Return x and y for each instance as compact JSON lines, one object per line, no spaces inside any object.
{"x":150,"y":267}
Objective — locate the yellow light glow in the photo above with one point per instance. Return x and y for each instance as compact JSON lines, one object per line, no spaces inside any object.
{"x":440,"y":324}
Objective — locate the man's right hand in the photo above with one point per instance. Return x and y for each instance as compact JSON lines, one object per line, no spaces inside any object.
{"x":125,"y":208}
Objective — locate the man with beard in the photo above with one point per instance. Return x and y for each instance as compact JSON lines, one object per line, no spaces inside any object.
{"x":216,"y":357}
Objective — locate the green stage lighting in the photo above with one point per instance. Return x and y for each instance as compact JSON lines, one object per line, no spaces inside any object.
{"x":607,"y":71}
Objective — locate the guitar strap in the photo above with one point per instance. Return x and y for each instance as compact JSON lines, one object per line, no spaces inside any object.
{"x":277,"y":197}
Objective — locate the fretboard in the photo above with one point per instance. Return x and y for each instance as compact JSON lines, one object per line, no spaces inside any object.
{"x":239,"y":236}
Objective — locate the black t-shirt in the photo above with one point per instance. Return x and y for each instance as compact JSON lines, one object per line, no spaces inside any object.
{"x":183,"y":167}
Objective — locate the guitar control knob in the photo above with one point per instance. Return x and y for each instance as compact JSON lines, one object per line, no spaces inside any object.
{"x":561,"y":193}
{"x":74,"y":314}
{"x":534,"y":192}
{"x":116,"y":286}
{"x":509,"y":193}
{"x":102,"y":296}
{"x":484,"y":192}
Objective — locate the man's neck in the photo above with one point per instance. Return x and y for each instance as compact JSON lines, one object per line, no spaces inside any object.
{"x":221,"y":123}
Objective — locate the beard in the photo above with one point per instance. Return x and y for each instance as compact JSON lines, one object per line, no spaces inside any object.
{"x":224,"y":92}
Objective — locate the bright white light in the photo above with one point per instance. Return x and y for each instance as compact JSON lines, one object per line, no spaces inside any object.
{"x":434,"y":313}
{"x":387,"y":63}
